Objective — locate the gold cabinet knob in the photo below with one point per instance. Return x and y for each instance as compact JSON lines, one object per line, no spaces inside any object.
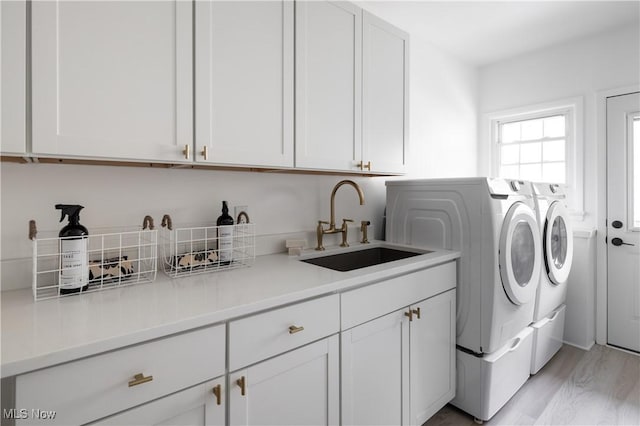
{"x":363,"y":166}
{"x":205,"y":152}
{"x":409,"y":315}
{"x":416,"y":312}
{"x":242,"y":382}
{"x":294,"y":329}
{"x":185,"y":151}
{"x":217,"y":391}
{"x":139,"y":379}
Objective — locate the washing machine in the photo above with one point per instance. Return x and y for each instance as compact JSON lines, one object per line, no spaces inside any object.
{"x":557,"y":254}
{"x":492,"y":222}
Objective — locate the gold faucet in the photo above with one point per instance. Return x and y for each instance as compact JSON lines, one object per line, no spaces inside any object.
{"x":320,"y":231}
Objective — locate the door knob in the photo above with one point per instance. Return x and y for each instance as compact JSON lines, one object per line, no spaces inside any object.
{"x":618,"y":242}
{"x":616,"y":224}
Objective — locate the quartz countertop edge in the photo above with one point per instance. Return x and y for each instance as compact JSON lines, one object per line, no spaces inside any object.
{"x":41,"y":334}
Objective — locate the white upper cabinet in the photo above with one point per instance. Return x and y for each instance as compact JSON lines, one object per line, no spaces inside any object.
{"x":244,"y":82}
{"x":112,"y":79}
{"x":13,"y":50}
{"x":328,"y":85}
{"x":351,"y":90}
{"x":385,"y":58}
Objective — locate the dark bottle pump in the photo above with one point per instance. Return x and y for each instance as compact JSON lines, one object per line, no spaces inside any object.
{"x":74,"y":261}
{"x":225,"y":235}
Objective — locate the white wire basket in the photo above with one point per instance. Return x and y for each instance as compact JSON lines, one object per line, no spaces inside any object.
{"x":114,"y":259}
{"x":196,"y":250}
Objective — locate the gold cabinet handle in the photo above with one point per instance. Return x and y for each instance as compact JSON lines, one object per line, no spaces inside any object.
{"x":217,"y":391}
{"x":185,"y":151}
{"x":243,"y":385}
{"x":294,"y":329}
{"x":417,"y":312}
{"x":139,"y":379}
{"x":365,"y":166}
{"x":409,"y":315}
{"x":205,"y":152}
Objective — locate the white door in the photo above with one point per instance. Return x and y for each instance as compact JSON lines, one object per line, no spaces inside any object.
{"x":385,"y":101}
{"x":112,"y":79}
{"x":520,"y":254}
{"x":244,"y":82}
{"x":200,"y":405}
{"x":375,"y":372}
{"x":13,"y":51}
{"x":623,"y":221}
{"x":432,"y":356}
{"x":297,"y":388}
{"x":328,"y":85}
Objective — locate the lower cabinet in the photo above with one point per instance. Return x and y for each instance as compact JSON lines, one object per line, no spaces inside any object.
{"x":97,"y":387}
{"x":400,"y":368}
{"x":296,"y":388}
{"x":375,"y":371}
{"x":199,"y":405}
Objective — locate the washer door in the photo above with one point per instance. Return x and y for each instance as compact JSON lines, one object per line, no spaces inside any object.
{"x":520,"y":254}
{"x":558,"y":243}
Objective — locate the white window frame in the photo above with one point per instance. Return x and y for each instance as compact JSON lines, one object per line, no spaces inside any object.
{"x":573,"y":109}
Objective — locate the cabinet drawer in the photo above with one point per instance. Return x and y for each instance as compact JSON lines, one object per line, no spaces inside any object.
{"x":91,"y":388}
{"x":372,"y":301}
{"x":261,"y":336}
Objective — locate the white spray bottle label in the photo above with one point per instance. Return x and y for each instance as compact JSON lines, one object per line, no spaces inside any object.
{"x":225,"y":243}
{"x":74,"y":265}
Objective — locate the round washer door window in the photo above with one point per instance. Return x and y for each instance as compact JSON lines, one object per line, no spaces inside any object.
{"x":558,"y":243}
{"x":520,"y":254}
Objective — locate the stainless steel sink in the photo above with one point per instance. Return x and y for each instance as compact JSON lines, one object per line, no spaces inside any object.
{"x":361,"y":258}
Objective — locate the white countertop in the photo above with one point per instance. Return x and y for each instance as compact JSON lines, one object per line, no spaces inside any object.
{"x":44,"y":333}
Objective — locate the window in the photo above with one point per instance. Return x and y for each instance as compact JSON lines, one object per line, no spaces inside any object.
{"x":533,"y":149}
{"x":540,"y":143}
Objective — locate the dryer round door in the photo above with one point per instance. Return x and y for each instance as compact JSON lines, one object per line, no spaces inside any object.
{"x":558,"y":243}
{"x":520,"y":254}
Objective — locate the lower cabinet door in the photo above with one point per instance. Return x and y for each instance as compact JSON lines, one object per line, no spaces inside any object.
{"x":296,"y":388}
{"x":199,"y":405}
{"x":432,"y":355}
{"x":375,"y":371}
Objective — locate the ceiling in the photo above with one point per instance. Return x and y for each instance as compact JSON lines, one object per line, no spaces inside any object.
{"x":482,"y":32}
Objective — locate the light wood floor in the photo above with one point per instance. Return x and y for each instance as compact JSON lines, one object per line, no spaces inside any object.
{"x":598,"y":387}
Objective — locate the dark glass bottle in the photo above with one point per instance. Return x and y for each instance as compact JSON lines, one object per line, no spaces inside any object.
{"x":225,"y":236}
{"x":74,"y":261}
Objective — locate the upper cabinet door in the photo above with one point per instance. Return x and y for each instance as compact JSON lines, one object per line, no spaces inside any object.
{"x":244,"y":82}
{"x":112,"y":79}
{"x":13,"y":50}
{"x":328,"y":85}
{"x":385,"y":95}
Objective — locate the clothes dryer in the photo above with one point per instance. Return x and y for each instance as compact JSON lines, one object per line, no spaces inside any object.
{"x":493,"y":224}
{"x":557,"y":253}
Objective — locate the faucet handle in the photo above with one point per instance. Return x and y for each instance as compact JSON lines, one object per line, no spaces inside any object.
{"x":363,"y":228}
{"x":344,"y":232}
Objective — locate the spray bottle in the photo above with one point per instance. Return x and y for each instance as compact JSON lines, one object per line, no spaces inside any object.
{"x":74,"y":259}
{"x":225,"y":236}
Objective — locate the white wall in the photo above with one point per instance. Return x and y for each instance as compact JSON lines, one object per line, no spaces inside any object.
{"x":443,"y":142}
{"x":579,"y":68}
{"x":443,"y":114}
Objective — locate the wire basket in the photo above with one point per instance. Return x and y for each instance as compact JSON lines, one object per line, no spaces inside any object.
{"x":114,"y":260}
{"x":202,"y":249}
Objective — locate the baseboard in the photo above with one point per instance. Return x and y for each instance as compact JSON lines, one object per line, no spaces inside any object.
{"x":584,"y":348}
